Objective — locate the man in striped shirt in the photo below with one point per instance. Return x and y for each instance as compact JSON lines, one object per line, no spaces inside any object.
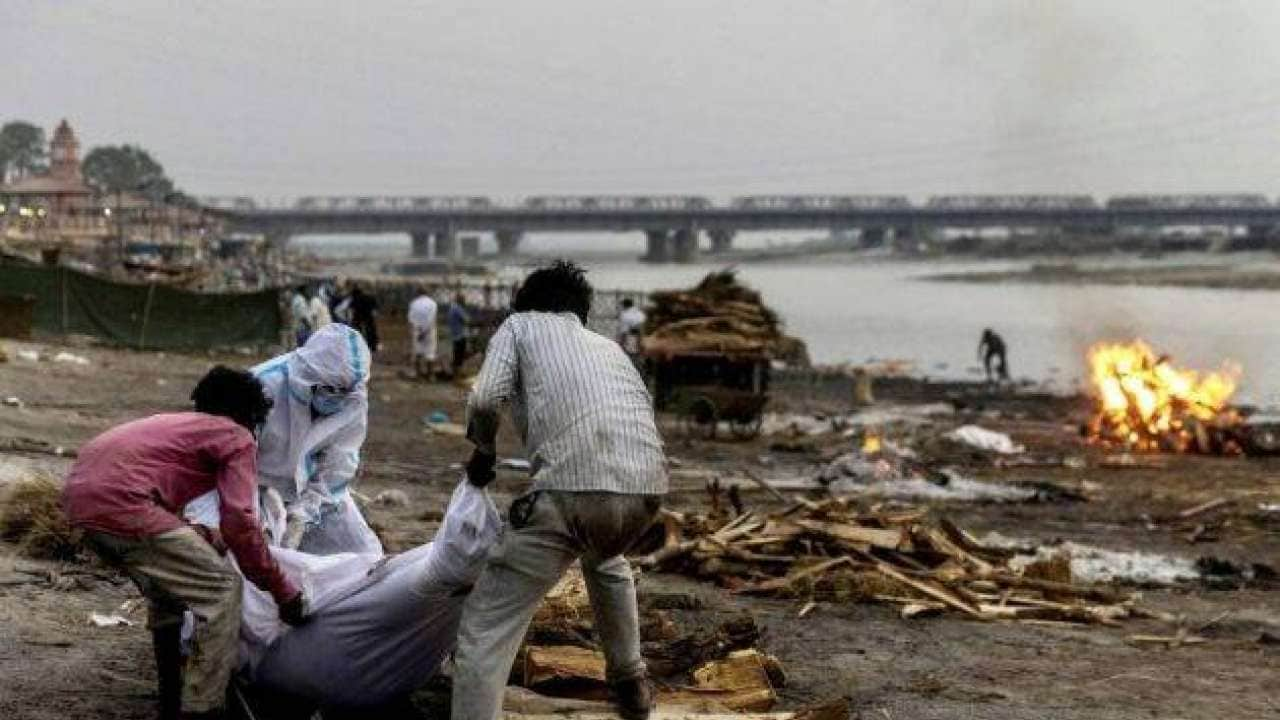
{"x":598,"y":473}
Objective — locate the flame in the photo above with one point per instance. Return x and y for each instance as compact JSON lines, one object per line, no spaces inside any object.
{"x":870,"y":444}
{"x":1145,"y":403}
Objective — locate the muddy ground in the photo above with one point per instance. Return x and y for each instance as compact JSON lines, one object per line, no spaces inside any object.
{"x":53,"y":664}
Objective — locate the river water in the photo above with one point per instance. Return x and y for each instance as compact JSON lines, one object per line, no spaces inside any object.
{"x":857,"y":310}
{"x":848,"y":311}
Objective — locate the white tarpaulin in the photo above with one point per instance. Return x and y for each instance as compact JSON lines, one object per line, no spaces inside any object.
{"x":984,"y":439}
{"x":378,"y":628}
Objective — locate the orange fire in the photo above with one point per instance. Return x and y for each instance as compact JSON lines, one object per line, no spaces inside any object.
{"x":1145,"y":403}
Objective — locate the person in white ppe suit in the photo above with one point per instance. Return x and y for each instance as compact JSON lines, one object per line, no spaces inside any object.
{"x":309,"y":446}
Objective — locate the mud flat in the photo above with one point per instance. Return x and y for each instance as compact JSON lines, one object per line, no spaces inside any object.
{"x":1226,"y":277}
{"x":54,"y":664}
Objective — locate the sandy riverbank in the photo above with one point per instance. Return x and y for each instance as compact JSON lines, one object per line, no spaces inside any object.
{"x":54,"y":665}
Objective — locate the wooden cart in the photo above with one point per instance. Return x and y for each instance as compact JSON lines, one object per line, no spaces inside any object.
{"x":705,"y":389}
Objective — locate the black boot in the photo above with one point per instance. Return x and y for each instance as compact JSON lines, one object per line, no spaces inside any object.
{"x":634,"y":698}
{"x":167,"y":643}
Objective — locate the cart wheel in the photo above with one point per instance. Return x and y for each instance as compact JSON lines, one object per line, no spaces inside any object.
{"x":700,"y":417}
{"x":746,"y":428}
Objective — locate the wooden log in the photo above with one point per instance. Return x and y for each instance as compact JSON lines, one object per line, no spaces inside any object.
{"x":1063,"y":613}
{"x":933,"y":590}
{"x":856,"y":535}
{"x":1086,"y":592}
{"x":920,"y":609}
{"x":1204,"y":507}
{"x":943,"y":543}
{"x":764,"y":485}
{"x":972,"y":546}
{"x":776,"y":584}
{"x":664,"y":555}
{"x":701,"y":646}
{"x":566,"y":671}
{"x":739,"y":681}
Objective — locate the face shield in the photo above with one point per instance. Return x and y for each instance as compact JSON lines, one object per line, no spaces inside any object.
{"x":328,"y":400}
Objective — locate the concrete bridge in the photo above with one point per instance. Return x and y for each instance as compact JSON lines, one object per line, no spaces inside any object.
{"x":673,"y":224}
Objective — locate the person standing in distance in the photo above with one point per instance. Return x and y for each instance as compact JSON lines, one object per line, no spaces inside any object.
{"x":457,"y":320}
{"x":422,"y":325}
{"x":992,"y":350}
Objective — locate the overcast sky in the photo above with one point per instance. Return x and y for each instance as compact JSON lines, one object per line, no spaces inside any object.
{"x":509,"y":97}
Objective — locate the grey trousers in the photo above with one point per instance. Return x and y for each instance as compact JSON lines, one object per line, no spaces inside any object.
{"x":177,"y":571}
{"x":545,"y":533}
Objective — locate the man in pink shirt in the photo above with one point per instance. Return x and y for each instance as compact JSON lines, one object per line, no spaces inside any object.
{"x":127,"y":490}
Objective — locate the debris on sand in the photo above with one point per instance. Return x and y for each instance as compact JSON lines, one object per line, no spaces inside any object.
{"x":31,"y":516}
{"x":1093,"y":564}
{"x":394,"y":498}
{"x":898,"y":473}
{"x":71,"y":358}
{"x":981,"y":438}
{"x":832,"y":550}
{"x":101,"y":620}
{"x":956,"y":488}
{"x":446,"y":428}
{"x":814,"y":425}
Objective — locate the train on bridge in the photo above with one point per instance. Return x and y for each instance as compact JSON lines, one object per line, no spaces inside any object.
{"x":1221,"y":201}
{"x":812,"y":202}
{"x":632,"y":203}
{"x":1012,"y":202}
{"x":673,"y":225}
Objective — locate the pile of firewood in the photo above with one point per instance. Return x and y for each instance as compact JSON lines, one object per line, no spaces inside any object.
{"x":716,"y":668}
{"x":832,"y":551}
{"x":717,"y":315}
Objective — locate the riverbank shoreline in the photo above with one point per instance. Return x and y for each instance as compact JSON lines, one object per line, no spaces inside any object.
{"x":1214,"y":277}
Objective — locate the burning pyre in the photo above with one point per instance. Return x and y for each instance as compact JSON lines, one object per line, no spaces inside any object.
{"x":1144,"y":403}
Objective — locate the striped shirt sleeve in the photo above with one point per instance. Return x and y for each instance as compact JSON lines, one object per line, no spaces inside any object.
{"x":494,"y":387}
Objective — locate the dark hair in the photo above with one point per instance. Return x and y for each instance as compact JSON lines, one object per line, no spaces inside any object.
{"x":559,"y":287}
{"x":234,"y":394}
{"x":627,"y":303}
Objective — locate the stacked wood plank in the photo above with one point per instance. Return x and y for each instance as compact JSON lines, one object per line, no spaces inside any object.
{"x":718,"y":315}
{"x":714,"y":669}
{"x":832,"y":551}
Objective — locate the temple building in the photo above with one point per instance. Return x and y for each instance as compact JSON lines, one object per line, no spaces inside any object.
{"x":58,"y":206}
{"x":57,"y":215}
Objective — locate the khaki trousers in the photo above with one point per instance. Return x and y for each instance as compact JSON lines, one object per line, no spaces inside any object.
{"x":545,"y":533}
{"x":176,"y":571}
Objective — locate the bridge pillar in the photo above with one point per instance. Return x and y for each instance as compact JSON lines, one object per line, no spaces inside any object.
{"x":912,"y":238}
{"x":685,"y":246}
{"x":657,"y":246}
{"x":721,"y":240}
{"x":470,"y":246}
{"x":874,"y":237}
{"x":446,"y":245}
{"x":508,"y":242}
{"x":421,"y":245}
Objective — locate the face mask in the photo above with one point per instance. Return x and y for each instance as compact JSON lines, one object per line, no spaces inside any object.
{"x":327,"y":402}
